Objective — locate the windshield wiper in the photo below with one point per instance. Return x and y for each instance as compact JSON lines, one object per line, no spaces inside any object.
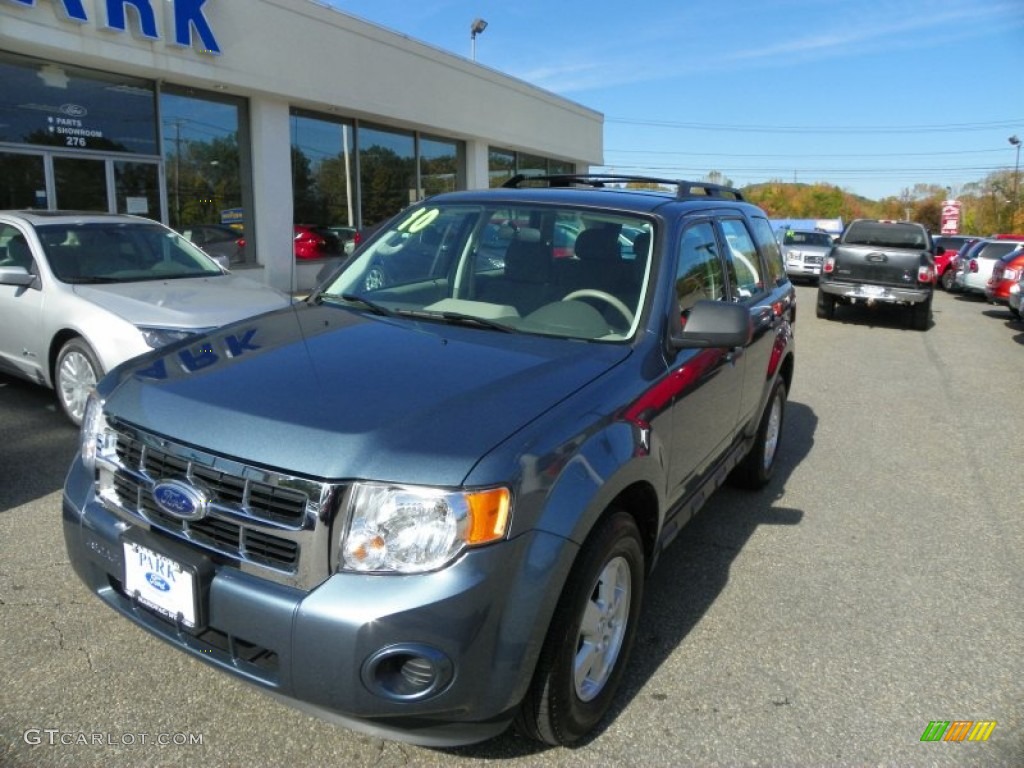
{"x":351,"y":298}
{"x":462,"y":319}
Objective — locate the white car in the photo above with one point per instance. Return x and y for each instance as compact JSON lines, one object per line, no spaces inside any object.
{"x":979,"y":261}
{"x":81,"y":293}
{"x":804,"y":252}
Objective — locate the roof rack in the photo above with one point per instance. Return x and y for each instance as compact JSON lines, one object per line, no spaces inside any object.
{"x":685,"y":190}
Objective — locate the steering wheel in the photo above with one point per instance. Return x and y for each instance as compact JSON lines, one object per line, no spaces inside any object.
{"x":612,"y":301}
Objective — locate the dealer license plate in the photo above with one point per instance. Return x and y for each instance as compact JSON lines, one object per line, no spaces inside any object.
{"x":160,"y":583}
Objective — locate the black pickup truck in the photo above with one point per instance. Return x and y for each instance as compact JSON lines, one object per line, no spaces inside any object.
{"x":881,"y":262}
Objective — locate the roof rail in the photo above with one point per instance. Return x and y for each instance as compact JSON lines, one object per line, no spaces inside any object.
{"x":685,"y":190}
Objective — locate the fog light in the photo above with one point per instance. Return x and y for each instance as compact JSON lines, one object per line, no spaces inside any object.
{"x":407,"y":672}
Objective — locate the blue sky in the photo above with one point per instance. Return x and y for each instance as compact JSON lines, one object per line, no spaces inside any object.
{"x":873,"y":96}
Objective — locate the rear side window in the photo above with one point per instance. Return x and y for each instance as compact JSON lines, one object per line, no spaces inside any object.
{"x":745,"y":262}
{"x":770,"y":248}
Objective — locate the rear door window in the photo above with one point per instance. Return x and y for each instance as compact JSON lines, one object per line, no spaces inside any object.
{"x":741,"y":255}
{"x":770,"y":248}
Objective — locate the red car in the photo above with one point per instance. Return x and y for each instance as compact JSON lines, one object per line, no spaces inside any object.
{"x":313,"y":242}
{"x":1006,"y":273}
{"x":952,"y":244}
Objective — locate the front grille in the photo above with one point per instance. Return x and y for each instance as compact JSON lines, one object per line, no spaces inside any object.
{"x":269,"y":523}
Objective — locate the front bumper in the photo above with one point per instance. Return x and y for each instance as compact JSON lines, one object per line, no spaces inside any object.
{"x":885,"y":294}
{"x":337,"y":649}
{"x":974,"y":282}
{"x":800,"y":269}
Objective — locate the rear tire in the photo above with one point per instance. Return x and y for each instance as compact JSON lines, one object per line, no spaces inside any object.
{"x":921,"y":316}
{"x":75,"y":374}
{"x":756,"y":470}
{"x":590,"y":637}
{"x":826,"y":306}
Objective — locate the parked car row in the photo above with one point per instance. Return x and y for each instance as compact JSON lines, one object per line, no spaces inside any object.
{"x":988,"y":267}
{"x":227,"y":244}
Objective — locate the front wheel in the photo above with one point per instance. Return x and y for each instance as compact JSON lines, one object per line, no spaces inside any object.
{"x":590,"y":637}
{"x":77,"y":372}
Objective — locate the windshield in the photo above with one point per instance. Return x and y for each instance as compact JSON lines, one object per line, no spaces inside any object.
{"x":820,"y":239}
{"x":573,"y":273}
{"x":117,"y":251}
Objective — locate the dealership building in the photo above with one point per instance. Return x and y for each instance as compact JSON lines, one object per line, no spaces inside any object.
{"x":259,"y":115}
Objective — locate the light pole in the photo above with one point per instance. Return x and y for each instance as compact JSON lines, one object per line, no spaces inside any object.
{"x":478,"y":26}
{"x":1016,"y":166}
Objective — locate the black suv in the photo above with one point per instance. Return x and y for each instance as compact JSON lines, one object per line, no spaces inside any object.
{"x":428,"y":507}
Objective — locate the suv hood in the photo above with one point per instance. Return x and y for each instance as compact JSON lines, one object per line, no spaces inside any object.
{"x":196,"y":302}
{"x":331,"y":393}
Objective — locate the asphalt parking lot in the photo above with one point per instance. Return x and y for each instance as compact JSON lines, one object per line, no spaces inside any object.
{"x":875,"y":587}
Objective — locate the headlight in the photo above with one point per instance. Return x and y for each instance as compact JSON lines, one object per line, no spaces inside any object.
{"x":402,"y":529}
{"x":159,"y":337}
{"x":97,"y":441}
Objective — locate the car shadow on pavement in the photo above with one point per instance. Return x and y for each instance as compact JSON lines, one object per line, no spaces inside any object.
{"x":877,"y":316}
{"x":37,"y":443}
{"x":700,"y":560}
{"x":1017,"y":326}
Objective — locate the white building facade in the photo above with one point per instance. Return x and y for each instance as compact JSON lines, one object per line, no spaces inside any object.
{"x":258,"y":115}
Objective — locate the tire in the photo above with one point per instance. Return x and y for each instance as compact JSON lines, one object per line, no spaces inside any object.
{"x":921,"y":316}
{"x":593,"y":630}
{"x":74,"y":375}
{"x":826,"y":306}
{"x":948,"y":280}
{"x":757,"y":468}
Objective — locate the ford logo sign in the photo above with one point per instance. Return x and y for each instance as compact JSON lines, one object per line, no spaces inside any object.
{"x":158,"y":582}
{"x":180,"y":499}
{"x":74,"y":110}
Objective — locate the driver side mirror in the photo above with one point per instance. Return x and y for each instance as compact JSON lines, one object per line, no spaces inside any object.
{"x":16,"y":276}
{"x":713,"y":324}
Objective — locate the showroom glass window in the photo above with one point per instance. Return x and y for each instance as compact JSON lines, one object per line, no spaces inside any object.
{"x":22,"y":180}
{"x":441,"y":164}
{"x":323,"y":171}
{"x":501,"y":166}
{"x":57,"y":105}
{"x":206,"y":159}
{"x":387,"y":173}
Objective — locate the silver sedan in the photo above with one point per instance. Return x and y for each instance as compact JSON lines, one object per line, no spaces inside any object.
{"x":82,"y":293}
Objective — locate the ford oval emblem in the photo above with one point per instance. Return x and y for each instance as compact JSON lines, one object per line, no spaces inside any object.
{"x":180,"y":499}
{"x":74,"y":110}
{"x":158,"y":582}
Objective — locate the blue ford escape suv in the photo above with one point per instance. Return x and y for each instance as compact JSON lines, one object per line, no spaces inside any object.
{"x":425,"y":501}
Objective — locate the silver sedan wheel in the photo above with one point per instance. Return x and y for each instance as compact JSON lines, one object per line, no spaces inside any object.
{"x":76,"y":376}
{"x":603,"y":629}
